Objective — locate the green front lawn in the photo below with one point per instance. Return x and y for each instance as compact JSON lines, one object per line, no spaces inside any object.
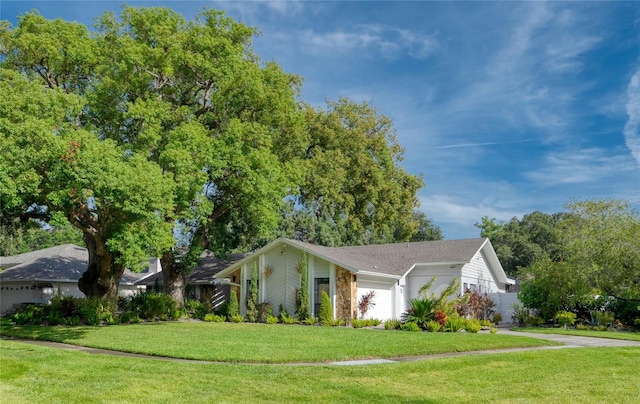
{"x":262,"y":343}
{"x":631,"y":336}
{"x":31,"y":374}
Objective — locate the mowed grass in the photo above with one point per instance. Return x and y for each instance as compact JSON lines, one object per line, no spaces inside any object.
{"x":31,"y":374}
{"x":262,"y":343}
{"x":630,"y":336}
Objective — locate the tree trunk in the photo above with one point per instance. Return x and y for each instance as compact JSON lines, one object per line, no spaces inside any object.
{"x":174,"y":278}
{"x":102,"y":276}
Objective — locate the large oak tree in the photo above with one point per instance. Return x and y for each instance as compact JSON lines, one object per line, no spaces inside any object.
{"x":158,"y":135}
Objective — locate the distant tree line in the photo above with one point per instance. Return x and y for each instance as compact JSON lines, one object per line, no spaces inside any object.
{"x":584,"y":260}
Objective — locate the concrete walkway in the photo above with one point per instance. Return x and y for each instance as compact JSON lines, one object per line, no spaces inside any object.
{"x":569,"y":341}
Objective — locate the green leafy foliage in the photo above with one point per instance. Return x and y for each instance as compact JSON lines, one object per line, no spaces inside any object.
{"x":152,"y":305}
{"x":472,"y":325}
{"x":303,"y":303}
{"x":325,"y":316}
{"x":392,"y":325}
{"x":269,"y":319}
{"x":454,"y":323}
{"x":565,"y":318}
{"x":234,"y":306}
{"x":410,"y":326}
{"x":253,"y":312}
{"x":433,"y":326}
{"x":214,"y":318}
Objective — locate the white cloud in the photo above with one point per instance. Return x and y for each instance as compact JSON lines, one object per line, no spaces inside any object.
{"x":390,"y":42}
{"x":581,"y":166}
{"x":460,"y":215}
{"x":632,"y":127}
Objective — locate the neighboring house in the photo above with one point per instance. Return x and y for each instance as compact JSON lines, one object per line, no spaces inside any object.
{"x":37,"y":276}
{"x":396,"y":272}
{"x":200,"y":283}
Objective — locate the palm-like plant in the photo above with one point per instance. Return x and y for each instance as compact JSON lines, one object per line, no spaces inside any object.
{"x":420,"y":311}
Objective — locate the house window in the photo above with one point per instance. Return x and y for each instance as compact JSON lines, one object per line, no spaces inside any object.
{"x":320,"y":285}
{"x":473,"y":287}
{"x":465,"y":287}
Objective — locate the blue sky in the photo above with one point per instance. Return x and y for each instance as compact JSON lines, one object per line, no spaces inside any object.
{"x":505,"y":107}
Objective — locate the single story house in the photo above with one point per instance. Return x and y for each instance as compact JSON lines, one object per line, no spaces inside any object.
{"x":37,"y":276}
{"x":200,"y":282}
{"x":396,"y":272}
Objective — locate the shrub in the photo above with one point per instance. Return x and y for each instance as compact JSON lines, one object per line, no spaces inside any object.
{"x":582,"y":327}
{"x":303,"y":303}
{"x":286,"y":319}
{"x":366,"y":302}
{"x":269,"y":319}
{"x":265,"y":310}
{"x":441,"y":317}
{"x":358,"y":323}
{"x":95,"y":310}
{"x":237,"y":318}
{"x":326,"y":311}
{"x":129,"y":317}
{"x":493,"y":330}
{"x":605,"y":317}
{"x":282,"y":309}
{"x":410,"y":326}
{"x":54,"y":318}
{"x":195,"y":309}
{"x":454,"y":323}
{"x":565,"y":318}
{"x":23,"y":314}
{"x":420,"y":311}
{"x":66,"y":306}
{"x":534,"y":321}
{"x":213,"y":318}
{"x":309,"y":321}
{"x":497,"y":318}
{"x":392,"y":325}
{"x":365,"y":322}
{"x":433,"y":326}
{"x":253,"y":312}
{"x":600,"y":328}
{"x":234,"y":308}
{"x":71,"y":321}
{"x":475,"y":305}
{"x":486,"y":323}
{"x":472,"y":325}
{"x":153,"y":305}
{"x":520,"y":314}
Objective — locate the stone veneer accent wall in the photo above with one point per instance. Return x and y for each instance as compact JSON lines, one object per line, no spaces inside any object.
{"x":346,"y":290}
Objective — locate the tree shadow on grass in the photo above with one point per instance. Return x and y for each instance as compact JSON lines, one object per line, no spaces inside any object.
{"x":46,"y":333}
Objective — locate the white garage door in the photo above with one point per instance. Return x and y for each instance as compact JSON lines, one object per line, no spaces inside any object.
{"x":383,"y":299}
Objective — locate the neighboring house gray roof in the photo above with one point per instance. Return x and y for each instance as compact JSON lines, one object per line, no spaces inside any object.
{"x":393,"y":260}
{"x":63,"y":263}
{"x":203,"y":274}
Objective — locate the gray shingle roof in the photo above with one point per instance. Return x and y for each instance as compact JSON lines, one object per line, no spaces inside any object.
{"x":63,"y":263}
{"x":397,"y":258}
{"x":203,"y":273}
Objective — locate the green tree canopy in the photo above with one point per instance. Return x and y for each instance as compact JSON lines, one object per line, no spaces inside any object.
{"x":155,"y":135}
{"x":520,"y":243}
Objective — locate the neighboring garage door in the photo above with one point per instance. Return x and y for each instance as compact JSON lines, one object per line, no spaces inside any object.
{"x":383,"y":299}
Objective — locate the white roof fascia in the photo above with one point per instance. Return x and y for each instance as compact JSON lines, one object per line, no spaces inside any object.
{"x":274,"y":243}
{"x":495,"y":266}
{"x":378,"y":274}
